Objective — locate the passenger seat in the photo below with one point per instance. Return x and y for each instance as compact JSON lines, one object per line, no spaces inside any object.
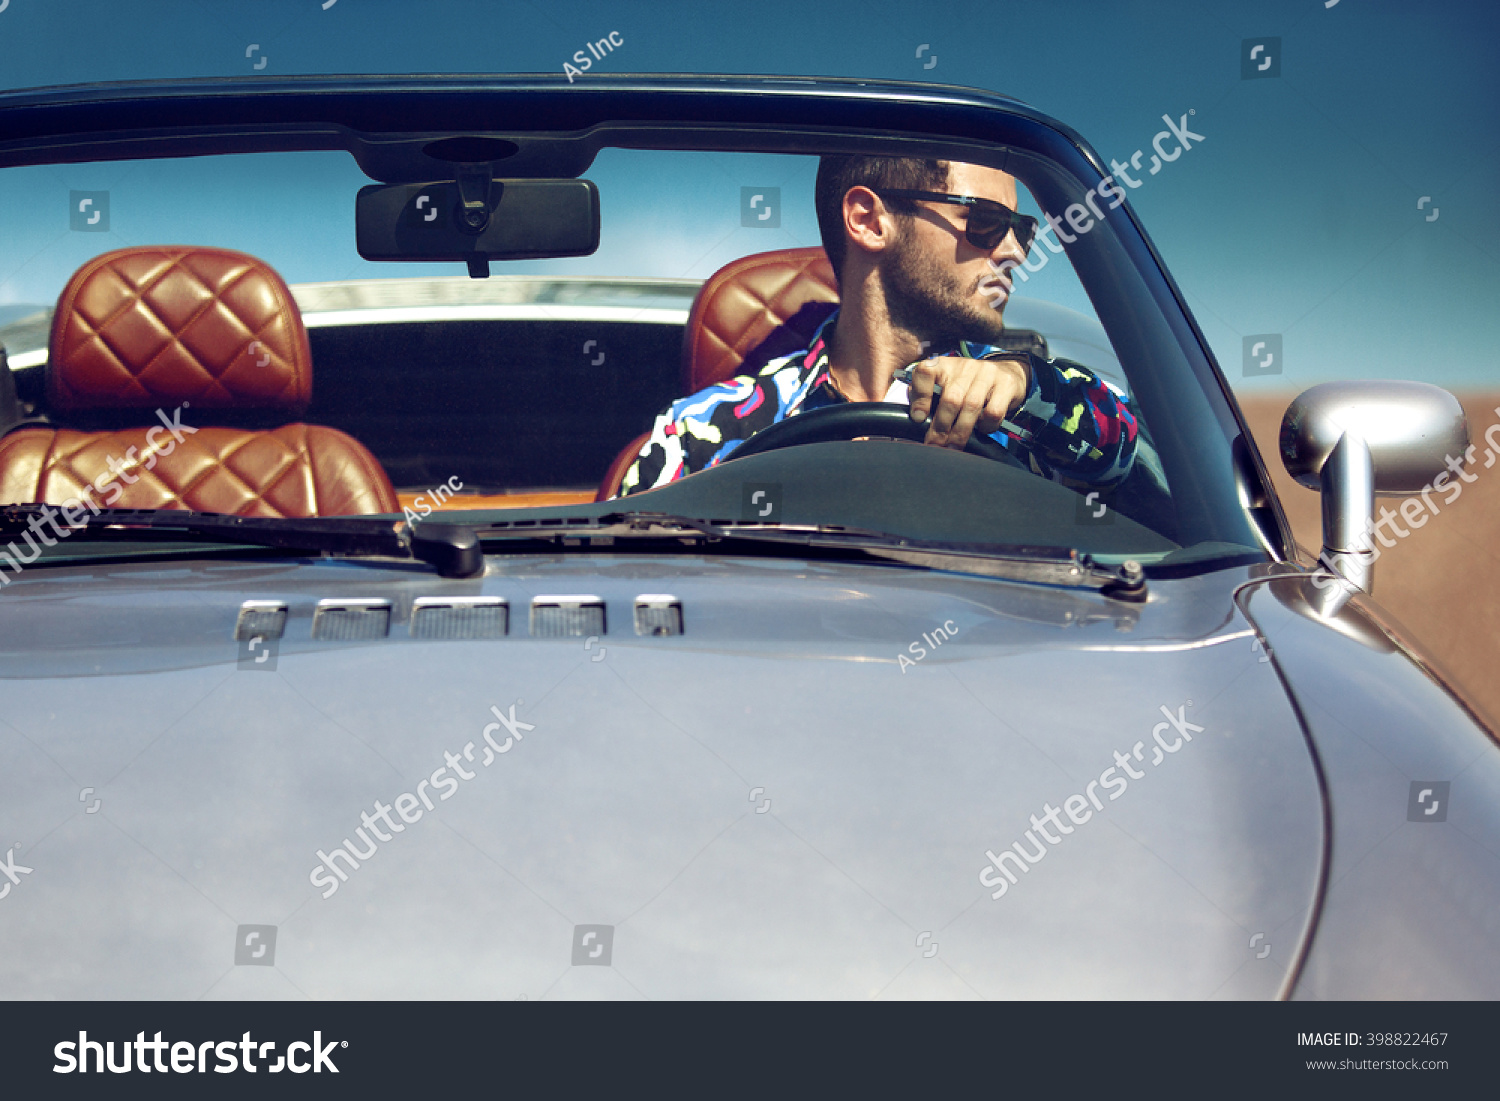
{"x":170,"y":372}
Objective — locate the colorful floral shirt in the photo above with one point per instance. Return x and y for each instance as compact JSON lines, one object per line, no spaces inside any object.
{"x":1075,"y":426}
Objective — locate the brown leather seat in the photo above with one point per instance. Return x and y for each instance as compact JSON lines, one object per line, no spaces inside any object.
{"x":749,"y":312}
{"x":151,"y":338}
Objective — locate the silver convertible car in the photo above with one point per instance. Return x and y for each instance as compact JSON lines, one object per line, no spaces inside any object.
{"x":668,"y":537}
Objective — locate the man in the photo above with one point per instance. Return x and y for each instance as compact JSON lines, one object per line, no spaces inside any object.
{"x":923,"y":251}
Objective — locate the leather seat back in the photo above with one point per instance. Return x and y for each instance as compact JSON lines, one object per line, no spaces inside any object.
{"x":750,"y":311}
{"x":754,"y":309}
{"x":152,"y":339}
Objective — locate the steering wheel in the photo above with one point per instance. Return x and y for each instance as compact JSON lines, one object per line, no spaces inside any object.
{"x":850,"y":420}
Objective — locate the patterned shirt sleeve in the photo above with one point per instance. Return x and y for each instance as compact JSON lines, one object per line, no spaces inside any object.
{"x":698,"y":431}
{"x":1074,"y":426}
{"x":1082,"y":428}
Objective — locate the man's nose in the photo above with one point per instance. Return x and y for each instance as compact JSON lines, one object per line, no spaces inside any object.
{"x":1008,"y":249}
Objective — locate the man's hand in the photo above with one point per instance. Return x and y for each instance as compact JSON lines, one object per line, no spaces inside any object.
{"x":976,"y":393}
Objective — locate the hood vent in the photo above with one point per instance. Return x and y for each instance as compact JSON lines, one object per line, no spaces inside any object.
{"x":357,"y":620}
{"x":460,"y":617}
{"x":567,"y":616}
{"x":463,"y":618}
{"x":262,"y":618}
{"x":658,"y":614}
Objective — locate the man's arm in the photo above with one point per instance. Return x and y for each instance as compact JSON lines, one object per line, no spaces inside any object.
{"x":659,"y":462}
{"x":1081,"y":427}
{"x":964,"y":395}
{"x":1060,"y":412}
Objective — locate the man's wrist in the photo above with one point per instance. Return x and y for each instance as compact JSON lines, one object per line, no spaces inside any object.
{"x":1022,"y":360}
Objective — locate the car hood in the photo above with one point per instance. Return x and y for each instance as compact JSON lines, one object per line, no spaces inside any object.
{"x":810,"y":792}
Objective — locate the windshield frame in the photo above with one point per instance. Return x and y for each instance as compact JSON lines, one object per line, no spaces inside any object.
{"x":385,"y":123}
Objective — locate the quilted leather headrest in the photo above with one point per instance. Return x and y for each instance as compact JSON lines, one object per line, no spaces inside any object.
{"x":150,"y":327}
{"x":754,"y":309}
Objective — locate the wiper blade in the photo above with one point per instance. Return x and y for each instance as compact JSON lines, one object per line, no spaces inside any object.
{"x":1047,"y":565}
{"x":450,"y":548}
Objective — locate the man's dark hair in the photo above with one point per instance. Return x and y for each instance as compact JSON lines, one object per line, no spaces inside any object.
{"x":837,"y":174}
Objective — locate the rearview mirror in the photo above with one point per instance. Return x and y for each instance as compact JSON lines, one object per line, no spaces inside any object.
{"x":517,"y":220}
{"x":1354,"y":441}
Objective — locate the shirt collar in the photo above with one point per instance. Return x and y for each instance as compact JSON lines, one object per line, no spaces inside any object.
{"x":815,"y":359}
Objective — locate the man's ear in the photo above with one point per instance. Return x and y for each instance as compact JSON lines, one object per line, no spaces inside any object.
{"x":868,"y":225}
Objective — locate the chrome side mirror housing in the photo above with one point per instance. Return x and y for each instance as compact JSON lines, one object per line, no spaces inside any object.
{"x":1354,"y":441}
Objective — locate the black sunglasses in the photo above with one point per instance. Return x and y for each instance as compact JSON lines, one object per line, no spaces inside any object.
{"x":987,"y":222}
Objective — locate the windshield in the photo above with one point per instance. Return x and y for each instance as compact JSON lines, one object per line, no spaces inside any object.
{"x":932,"y":349}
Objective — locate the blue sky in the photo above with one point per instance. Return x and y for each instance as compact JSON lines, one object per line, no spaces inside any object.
{"x":1298,"y":215}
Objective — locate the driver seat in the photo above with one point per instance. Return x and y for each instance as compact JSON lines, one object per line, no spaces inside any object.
{"x":750,"y":311}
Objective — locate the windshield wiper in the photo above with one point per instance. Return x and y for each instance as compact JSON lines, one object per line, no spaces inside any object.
{"x":456,"y":550}
{"x":1045,"y":565}
{"x":452,"y":549}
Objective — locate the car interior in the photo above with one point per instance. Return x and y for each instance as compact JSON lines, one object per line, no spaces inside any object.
{"x":425,"y":381}
{"x":205,"y":341}
{"x":219,"y":334}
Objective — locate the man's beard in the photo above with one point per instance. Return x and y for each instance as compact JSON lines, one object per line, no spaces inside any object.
{"x":923,"y":296}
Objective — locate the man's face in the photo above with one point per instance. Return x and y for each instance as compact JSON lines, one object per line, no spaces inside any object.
{"x":938,"y":286}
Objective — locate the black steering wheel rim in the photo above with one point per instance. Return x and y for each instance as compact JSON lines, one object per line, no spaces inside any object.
{"x":849,"y":420}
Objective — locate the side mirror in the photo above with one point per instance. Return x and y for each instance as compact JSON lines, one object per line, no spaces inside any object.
{"x":1354,"y":441}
